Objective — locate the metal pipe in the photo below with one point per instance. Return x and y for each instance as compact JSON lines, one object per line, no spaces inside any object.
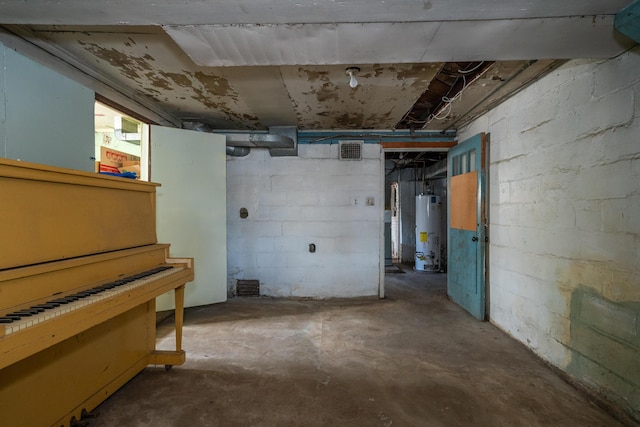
{"x":237,"y":151}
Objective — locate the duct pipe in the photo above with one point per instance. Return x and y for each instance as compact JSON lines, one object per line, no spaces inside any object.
{"x":237,"y":151}
{"x":281,"y":140}
{"x":258,"y":140}
{"x":231,"y":150}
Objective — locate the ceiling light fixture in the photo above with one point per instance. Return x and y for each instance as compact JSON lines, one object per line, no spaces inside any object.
{"x":352,"y":72}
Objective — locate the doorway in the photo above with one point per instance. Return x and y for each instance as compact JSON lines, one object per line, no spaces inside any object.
{"x":409,"y":174}
{"x":121,"y":143}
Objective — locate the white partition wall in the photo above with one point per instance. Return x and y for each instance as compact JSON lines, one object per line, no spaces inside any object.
{"x":191,"y":208}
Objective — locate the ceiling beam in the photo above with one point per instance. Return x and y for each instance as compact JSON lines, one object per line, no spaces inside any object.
{"x":180,"y":12}
{"x":418,"y":146}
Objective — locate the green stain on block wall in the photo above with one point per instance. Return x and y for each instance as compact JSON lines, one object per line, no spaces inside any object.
{"x":605,"y":346}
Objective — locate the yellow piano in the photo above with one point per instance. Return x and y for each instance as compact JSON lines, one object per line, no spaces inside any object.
{"x":80,"y":268}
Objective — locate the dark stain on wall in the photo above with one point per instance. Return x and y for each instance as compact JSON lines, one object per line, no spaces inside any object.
{"x":605,"y":347}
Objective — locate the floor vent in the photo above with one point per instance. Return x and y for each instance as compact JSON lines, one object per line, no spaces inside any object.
{"x":351,"y":150}
{"x":248,"y":288}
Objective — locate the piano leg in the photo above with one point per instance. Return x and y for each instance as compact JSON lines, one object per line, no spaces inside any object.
{"x":177,"y":357}
{"x":179,"y":296}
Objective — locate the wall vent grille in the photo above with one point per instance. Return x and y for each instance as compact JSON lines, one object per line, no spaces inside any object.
{"x":248,"y":288}
{"x":351,"y":150}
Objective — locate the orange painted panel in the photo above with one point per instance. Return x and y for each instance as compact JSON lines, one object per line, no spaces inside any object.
{"x":464,"y":201}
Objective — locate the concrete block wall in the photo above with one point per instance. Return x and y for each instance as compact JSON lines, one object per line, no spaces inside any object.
{"x":564,"y":192}
{"x":293,"y":202}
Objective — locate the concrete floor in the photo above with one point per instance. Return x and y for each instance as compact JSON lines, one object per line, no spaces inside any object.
{"x":412,"y":359}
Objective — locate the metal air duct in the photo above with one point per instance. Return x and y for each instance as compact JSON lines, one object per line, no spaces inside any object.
{"x":280,"y":141}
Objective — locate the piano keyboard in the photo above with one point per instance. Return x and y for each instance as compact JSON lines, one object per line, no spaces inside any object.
{"x":24,"y":318}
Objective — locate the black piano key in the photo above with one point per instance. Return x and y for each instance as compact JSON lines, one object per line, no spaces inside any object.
{"x":48,"y":305}
{"x":39,"y":308}
{"x":81,"y":294}
{"x":22,"y":313}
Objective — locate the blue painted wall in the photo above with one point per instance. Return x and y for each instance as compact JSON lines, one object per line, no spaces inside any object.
{"x":44,"y":117}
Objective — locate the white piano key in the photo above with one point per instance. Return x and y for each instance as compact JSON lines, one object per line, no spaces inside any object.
{"x":61,"y":310}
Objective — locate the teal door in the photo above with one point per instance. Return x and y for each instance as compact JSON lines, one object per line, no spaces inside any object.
{"x":466,"y":216}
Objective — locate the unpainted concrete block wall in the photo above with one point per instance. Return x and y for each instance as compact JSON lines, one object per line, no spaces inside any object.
{"x":564,"y":270}
{"x":293,"y":202}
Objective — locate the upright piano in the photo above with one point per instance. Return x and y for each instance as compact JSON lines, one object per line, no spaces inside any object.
{"x":80,"y":268}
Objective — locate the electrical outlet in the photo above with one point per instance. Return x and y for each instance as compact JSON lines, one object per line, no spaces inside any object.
{"x":371,"y":201}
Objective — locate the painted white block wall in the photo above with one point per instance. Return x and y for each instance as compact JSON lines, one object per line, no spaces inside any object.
{"x":564,"y":252}
{"x":295,"y":201}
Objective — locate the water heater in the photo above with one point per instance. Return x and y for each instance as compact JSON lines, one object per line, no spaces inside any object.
{"x":427,"y":233}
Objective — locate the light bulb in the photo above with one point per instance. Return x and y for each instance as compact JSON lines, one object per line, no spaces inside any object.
{"x":353,"y":82}
{"x":352,"y":72}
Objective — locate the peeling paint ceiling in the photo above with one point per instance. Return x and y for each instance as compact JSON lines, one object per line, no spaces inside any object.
{"x":293,"y":73}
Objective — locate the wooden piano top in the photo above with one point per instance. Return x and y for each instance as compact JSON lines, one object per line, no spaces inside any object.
{"x":49,"y":213}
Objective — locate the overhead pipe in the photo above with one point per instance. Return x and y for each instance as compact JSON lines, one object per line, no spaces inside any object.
{"x":281,"y":140}
{"x":258,"y":140}
{"x":230,"y":150}
{"x":237,"y":151}
{"x":436,"y":170}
